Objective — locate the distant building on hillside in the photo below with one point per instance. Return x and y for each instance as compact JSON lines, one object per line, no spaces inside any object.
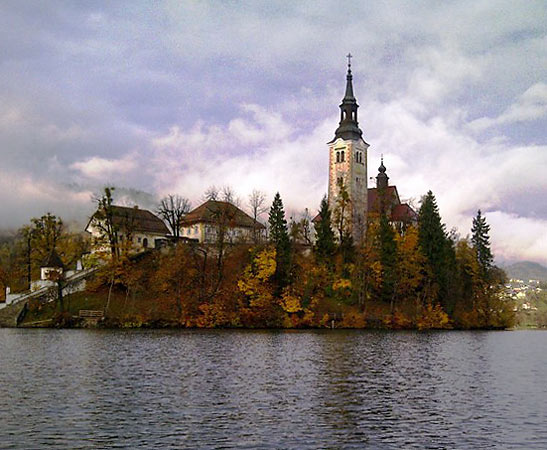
{"x":144,"y":229}
{"x":205,"y":222}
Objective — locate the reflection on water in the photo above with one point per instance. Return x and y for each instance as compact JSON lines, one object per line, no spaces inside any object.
{"x":271,"y":389}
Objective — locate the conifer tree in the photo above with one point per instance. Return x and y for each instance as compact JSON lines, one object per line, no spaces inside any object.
{"x":325,"y":246}
{"x":437,"y":249}
{"x":481,"y":243}
{"x":279,"y":237}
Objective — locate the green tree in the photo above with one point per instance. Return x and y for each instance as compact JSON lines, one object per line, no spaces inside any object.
{"x":438,"y":251}
{"x":279,"y":237}
{"x":325,"y":246}
{"x":481,"y":243}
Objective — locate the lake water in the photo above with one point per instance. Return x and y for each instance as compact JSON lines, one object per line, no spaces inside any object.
{"x":272,"y":389}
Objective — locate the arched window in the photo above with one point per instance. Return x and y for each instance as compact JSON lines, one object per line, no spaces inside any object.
{"x":145,"y":242}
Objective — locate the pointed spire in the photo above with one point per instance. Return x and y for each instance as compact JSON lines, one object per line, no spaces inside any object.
{"x":348,"y":128}
{"x":349,"y":81}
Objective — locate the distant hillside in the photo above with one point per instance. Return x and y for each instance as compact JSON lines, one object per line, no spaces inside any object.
{"x":526,"y":270}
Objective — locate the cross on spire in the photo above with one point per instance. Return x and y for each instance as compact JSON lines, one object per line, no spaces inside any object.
{"x":349,"y":56}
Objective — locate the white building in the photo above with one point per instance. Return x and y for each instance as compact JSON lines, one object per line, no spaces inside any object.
{"x":144,"y":229}
{"x":205,"y":222}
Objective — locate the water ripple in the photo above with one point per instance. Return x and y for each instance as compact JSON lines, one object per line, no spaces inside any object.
{"x":268,"y":389}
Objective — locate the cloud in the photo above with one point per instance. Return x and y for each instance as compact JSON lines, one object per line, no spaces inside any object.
{"x":531,"y":105}
{"x":31,"y":197}
{"x":183,"y":95}
{"x":103,"y":169}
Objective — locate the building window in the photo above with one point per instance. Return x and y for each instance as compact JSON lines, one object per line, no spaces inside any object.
{"x":340,"y":181}
{"x":342,"y":156}
{"x":145,"y":242}
{"x":337,"y":157}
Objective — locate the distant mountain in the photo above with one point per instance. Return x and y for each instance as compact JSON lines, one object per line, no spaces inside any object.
{"x":526,"y":270}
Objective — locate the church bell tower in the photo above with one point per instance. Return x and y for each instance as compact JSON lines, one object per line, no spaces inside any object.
{"x":348,"y":164}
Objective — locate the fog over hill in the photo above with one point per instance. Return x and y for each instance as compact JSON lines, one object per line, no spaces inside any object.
{"x":526,"y":270}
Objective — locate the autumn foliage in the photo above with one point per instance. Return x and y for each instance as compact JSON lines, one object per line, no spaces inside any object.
{"x":391,"y":279}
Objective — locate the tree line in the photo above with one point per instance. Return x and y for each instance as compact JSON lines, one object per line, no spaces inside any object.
{"x":412,"y":276}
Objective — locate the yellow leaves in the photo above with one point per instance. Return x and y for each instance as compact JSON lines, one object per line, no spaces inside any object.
{"x":265,"y":264}
{"x":290,"y":302}
{"x":260,"y":270}
{"x":342,"y":283}
{"x":325,"y":320}
{"x":432,"y":317}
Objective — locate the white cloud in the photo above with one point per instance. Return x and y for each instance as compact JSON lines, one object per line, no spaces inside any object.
{"x":102,"y":169}
{"x":531,"y":105}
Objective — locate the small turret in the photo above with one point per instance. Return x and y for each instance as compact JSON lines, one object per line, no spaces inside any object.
{"x":382,"y":179}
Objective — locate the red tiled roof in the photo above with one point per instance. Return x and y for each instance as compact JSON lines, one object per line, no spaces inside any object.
{"x":391,"y":195}
{"x":403,"y":213}
{"x":209,"y":212}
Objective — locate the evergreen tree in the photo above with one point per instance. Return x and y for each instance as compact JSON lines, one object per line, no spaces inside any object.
{"x":438,"y":250}
{"x":325,"y":246}
{"x":388,"y":260}
{"x":279,"y":237}
{"x":481,"y":244}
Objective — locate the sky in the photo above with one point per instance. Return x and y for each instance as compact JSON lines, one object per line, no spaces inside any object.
{"x":172,"y":97}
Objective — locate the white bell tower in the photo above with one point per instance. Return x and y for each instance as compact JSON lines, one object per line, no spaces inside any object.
{"x":348,"y":164}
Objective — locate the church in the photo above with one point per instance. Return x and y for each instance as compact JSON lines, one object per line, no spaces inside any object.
{"x":348,"y":174}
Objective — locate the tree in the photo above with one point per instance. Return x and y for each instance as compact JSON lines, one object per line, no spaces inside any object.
{"x":279,"y":237}
{"x":257,"y":206}
{"x":410,"y":263}
{"x":341,"y":211}
{"x":300,"y":228}
{"x":438,"y":251}
{"x":481,"y":244}
{"x":104,"y":221}
{"x":388,"y":260}
{"x":172,"y":209}
{"x":45,"y":234}
{"x":26,"y":233}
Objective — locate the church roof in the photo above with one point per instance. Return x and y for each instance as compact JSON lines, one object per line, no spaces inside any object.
{"x":374,"y":198}
{"x":403,"y":213}
{"x":211,"y":210}
{"x":139,"y":220}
